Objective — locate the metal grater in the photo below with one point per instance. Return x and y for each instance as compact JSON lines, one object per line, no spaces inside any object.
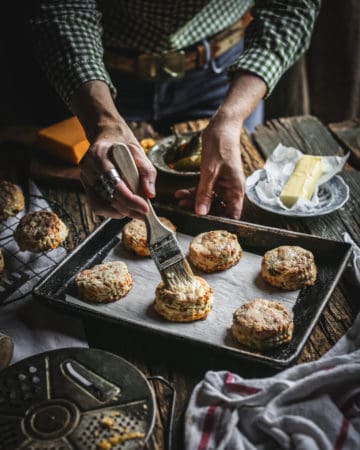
{"x":57,"y":400}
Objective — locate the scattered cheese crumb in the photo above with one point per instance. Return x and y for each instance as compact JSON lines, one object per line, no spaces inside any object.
{"x":107,"y":422}
{"x":104,"y":444}
{"x":146,"y":144}
{"x":115,"y":439}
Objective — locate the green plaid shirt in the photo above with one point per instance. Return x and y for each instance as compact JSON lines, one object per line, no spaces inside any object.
{"x":70,"y":35}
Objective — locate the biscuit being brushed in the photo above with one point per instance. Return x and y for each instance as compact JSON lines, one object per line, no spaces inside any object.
{"x":187,"y":303}
{"x":40,"y":231}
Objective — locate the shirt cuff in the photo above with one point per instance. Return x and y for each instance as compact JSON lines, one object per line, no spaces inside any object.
{"x":262,"y":62}
{"x":67,"y":80}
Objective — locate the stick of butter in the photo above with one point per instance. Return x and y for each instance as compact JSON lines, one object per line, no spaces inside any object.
{"x":303,"y":181}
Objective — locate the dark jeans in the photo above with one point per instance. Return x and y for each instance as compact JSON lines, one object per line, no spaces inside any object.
{"x":197,"y":95}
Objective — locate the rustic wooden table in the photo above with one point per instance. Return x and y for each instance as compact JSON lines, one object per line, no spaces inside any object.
{"x":184,"y":365}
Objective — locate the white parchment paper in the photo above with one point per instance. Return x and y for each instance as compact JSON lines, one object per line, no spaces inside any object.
{"x":231,"y":288}
{"x":278,"y":168}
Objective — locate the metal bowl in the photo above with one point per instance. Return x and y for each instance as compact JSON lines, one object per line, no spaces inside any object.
{"x":163,"y":152}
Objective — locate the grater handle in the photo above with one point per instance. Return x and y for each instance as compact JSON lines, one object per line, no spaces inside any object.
{"x":125,"y":165}
{"x":170,"y":425}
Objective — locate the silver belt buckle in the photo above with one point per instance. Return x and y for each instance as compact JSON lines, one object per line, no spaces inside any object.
{"x":157,"y":67}
{"x":173,"y":64}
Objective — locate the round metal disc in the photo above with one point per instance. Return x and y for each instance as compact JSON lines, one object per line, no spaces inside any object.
{"x":74,"y":399}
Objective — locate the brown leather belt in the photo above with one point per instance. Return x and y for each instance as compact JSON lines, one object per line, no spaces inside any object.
{"x":174,"y":64}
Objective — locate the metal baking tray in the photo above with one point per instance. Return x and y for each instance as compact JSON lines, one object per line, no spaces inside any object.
{"x":307,"y":305}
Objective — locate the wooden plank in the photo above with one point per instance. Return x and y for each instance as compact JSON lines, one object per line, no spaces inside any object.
{"x":47,"y":171}
{"x":347,"y":133}
{"x":346,"y":218}
{"x":306,"y":133}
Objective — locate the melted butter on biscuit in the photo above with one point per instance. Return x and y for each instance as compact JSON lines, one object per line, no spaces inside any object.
{"x":187,"y":290}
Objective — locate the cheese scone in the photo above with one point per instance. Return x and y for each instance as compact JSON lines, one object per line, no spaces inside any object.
{"x":215,"y":250}
{"x":262,"y":324}
{"x":2,"y":263}
{"x":134,"y":235}
{"x":187,"y":303}
{"x":40,"y":231}
{"x":11,"y":200}
{"x":104,"y":282}
{"x":289,"y":267}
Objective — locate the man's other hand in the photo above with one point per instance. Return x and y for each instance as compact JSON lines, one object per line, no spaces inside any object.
{"x":222,"y":179}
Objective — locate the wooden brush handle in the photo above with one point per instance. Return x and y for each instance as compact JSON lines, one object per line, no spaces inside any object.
{"x":125,"y":165}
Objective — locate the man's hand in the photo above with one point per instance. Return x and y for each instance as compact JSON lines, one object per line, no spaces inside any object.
{"x":104,"y":127}
{"x":97,"y":162}
{"x":222,"y":180}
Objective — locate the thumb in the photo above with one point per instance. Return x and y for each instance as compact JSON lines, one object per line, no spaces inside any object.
{"x":204,"y":191}
{"x":146,"y":170}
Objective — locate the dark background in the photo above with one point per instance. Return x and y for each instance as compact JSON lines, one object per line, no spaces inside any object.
{"x":325,"y":83}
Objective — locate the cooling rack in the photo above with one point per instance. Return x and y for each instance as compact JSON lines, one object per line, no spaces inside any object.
{"x":24,"y":269}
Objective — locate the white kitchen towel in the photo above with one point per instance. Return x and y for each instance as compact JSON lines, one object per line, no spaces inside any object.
{"x":33,"y":325}
{"x":311,"y":406}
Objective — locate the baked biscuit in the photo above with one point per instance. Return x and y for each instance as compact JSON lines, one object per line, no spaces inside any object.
{"x":11,"y":200}
{"x":215,"y":250}
{"x":40,"y":231}
{"x":262,"y":324}
{"x":104,"y":282}
{"x":134,"y":235}
{"x":2,"y":263}
{"x":185,"y":304}
{"x":289,"y":267}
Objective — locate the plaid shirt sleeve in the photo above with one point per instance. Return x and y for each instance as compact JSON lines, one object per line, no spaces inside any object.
{"x":67,"y":41}
{"x":276,"y":37}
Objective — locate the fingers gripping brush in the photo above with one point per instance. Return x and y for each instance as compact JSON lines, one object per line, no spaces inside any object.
{"x":163,"y":245}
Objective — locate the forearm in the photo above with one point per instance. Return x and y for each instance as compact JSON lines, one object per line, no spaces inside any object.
{"x":278,"y":35}
{"x":245,"y":92}
{"x":93,"y":104}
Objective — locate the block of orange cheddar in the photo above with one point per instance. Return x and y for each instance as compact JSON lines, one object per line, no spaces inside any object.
{"x":65,"y":140}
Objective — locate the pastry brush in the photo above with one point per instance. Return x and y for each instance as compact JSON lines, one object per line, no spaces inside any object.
{"x":163,"y":245}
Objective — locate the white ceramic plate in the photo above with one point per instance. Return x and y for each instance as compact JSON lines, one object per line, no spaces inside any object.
{"x":332,"y":195}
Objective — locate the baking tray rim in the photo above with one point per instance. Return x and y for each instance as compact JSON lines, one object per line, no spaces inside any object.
{"x":233,"y":351}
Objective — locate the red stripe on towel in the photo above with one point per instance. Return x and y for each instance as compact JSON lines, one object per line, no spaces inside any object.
{"x":207,"y":428}
{"x":342,"y":435}
{"x":239,"y":388}
{"x":327,"y":368}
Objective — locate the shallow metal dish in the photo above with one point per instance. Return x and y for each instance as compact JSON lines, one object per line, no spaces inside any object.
{"x":331,"y":258}
{"x":161,"y":154}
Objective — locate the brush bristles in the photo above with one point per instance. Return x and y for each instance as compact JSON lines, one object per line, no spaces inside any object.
{"x":178,"y":274}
